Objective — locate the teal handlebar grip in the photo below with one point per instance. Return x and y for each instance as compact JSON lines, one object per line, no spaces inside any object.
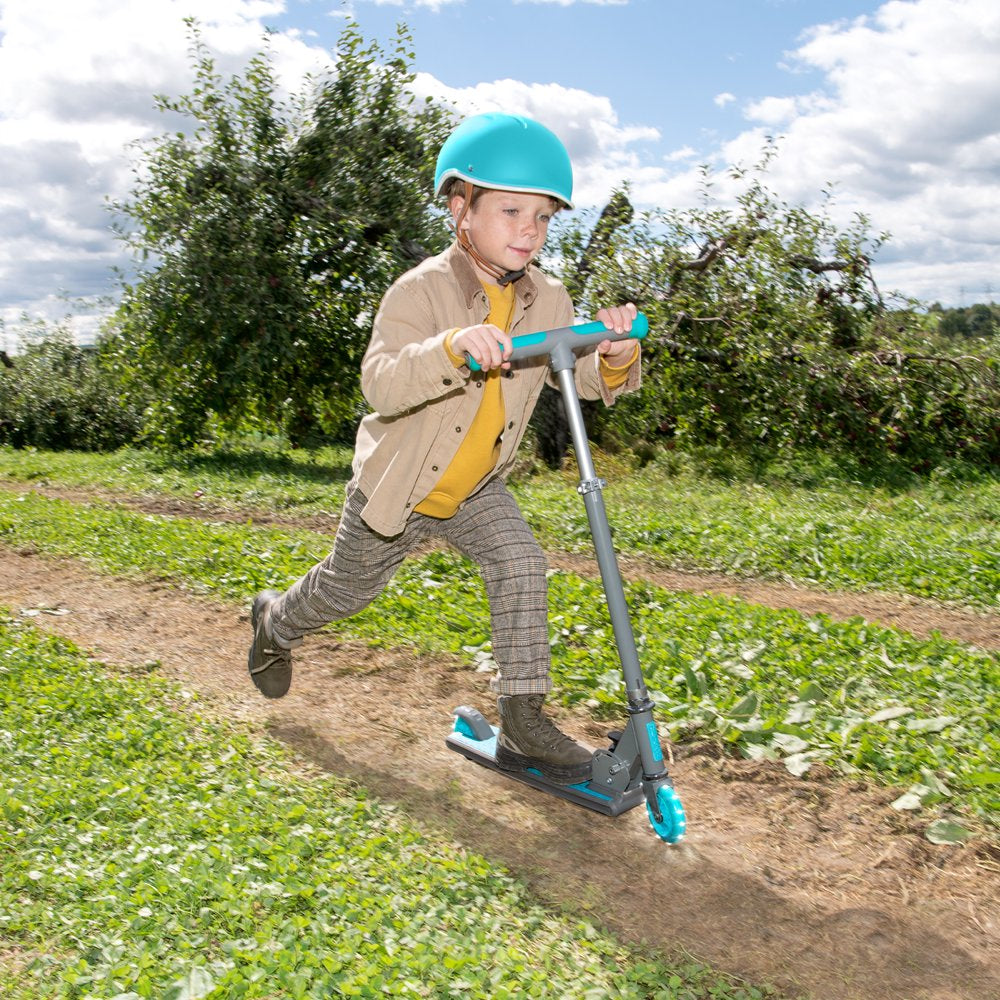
{"x":530,"y":345}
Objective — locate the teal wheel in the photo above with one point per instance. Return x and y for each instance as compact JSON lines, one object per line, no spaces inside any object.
{"x":672,"y":827}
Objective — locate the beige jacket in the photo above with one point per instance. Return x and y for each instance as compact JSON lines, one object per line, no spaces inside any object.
{"x":423,"y":404}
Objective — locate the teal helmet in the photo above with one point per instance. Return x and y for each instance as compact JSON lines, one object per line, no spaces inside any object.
{"x":506,"y":153}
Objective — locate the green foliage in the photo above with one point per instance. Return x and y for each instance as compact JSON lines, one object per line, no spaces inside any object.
{"x":232,"y":560}
{"x":774,"y":684}
{"x":980,"y":320}
{"x":61,"y":396}
{"x":266,"y":234}
{"x":927,"y":536}
{"x":770,"y":335}
{"x":266,"y":476}
{"x":148,"y":852}
{"x":770,"y":683}
{"x":936,"y":538}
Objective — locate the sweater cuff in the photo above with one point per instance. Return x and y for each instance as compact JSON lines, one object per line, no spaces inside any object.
{"x":458,"y":360}
{"x":616,"y":375}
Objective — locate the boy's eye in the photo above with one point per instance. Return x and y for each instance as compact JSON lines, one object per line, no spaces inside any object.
{"x":544,"y":217}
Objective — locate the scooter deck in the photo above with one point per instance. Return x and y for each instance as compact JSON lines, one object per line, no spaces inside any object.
{"x":584,"y":793}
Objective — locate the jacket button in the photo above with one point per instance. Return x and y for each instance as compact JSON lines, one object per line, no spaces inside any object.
{"x":458,"y":430}
{"x":479,"y":385}
{"x":447,"y":381}
{"x":510,"y":426}
{"x":434,"y":468}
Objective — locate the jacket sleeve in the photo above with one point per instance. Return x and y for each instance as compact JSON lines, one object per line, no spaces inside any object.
{"x":406,"y":364}
{"x":590,"y":382}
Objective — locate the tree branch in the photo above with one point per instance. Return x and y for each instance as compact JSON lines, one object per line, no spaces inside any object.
{"x":819,"y":266}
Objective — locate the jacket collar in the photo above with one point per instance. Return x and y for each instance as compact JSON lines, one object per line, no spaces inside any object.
{"x":471,"y":287}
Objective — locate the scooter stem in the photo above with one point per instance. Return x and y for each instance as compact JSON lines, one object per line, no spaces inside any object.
{"x":562,"y":362}
{"x":615,"y":783}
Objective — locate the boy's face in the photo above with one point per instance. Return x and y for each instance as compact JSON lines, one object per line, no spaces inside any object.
{"x":507,"y":227}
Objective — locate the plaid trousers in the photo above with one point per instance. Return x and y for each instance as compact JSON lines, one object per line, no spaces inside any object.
{"x":489,"y":529}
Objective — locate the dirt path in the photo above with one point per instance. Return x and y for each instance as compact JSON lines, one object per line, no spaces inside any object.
{"x":912,"y":614}
{"x":813,"y":884}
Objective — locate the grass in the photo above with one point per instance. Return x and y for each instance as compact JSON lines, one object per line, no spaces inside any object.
{"x":920,"y":715}
{"x":257,"y":478}
{"x":935,"y":538}
{"x":146,"y":851}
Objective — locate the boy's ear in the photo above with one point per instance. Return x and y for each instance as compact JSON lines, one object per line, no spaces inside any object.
{"x":456,"y":205}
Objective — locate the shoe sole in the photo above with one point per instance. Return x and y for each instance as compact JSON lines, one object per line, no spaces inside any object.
{"x":262,"y":675}
{"x":559,"y":774}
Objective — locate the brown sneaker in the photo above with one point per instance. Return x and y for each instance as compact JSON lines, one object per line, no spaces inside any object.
{"x":530,"y":739}
{"x":270,"y":665}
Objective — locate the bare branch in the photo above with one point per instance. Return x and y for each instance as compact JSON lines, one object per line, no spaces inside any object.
{"x":819,"y":266}
{"x":709,"y":254}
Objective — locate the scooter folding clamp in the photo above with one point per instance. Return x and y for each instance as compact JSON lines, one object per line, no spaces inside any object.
{"x":591,"y":486}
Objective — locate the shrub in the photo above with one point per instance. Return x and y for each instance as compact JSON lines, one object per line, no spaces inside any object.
{"x":58,"y":395}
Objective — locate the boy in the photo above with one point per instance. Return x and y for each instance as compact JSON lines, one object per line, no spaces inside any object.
{"x":431,"y":460}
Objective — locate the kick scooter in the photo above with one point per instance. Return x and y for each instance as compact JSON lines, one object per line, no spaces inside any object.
{"x":632,"y":768}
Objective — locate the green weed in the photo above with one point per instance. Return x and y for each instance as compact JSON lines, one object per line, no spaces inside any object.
{"x":936,"y":540}
{"x":148,"y":852}
{"x":263,"y":477}
{"x":934,"y":537}
{"x":918,"y":714}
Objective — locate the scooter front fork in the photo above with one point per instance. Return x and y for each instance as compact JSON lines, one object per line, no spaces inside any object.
{"x":634,"y":758}
{"x":650,"y":753}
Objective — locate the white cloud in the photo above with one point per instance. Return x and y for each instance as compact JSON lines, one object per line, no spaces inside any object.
{"x":906,"y":127}
{"x":679,"y":155}
{"x":73,"y":94}
{"x":599,"y":145}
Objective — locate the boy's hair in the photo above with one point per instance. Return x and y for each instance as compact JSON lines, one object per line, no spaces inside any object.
{"x":455,"y":186}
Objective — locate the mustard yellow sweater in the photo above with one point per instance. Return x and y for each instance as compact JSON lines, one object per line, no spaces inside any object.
{"x":477,"y":455}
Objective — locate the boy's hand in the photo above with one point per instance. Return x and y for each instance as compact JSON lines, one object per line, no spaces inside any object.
{"x":487,"y":344}
{"x":617,"y":318}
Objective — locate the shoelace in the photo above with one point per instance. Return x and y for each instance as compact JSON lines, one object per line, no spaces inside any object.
{"x":542,"y":728}
{"x":272,"y":656}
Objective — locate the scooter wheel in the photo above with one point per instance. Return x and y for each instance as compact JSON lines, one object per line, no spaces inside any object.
{"x":673,"y":825}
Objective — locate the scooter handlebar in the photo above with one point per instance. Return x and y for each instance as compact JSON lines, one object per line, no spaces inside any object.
{"x":530,"y":345}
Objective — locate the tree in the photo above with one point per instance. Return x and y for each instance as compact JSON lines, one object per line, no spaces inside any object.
{"x":980,"y":320}
{"x":265,"y":236}
{"x":56,"y":394}
{"x":770,"y":334}
{"x":549,"y":422}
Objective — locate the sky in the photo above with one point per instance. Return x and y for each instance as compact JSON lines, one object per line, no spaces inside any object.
{"x":894,"y":107}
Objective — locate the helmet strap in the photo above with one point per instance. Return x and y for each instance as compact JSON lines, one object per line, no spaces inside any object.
{"x":502,"y":277}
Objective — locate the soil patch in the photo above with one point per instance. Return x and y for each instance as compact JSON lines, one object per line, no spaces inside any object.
{"x":920,"y":617}
{"x":813,"y":884}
